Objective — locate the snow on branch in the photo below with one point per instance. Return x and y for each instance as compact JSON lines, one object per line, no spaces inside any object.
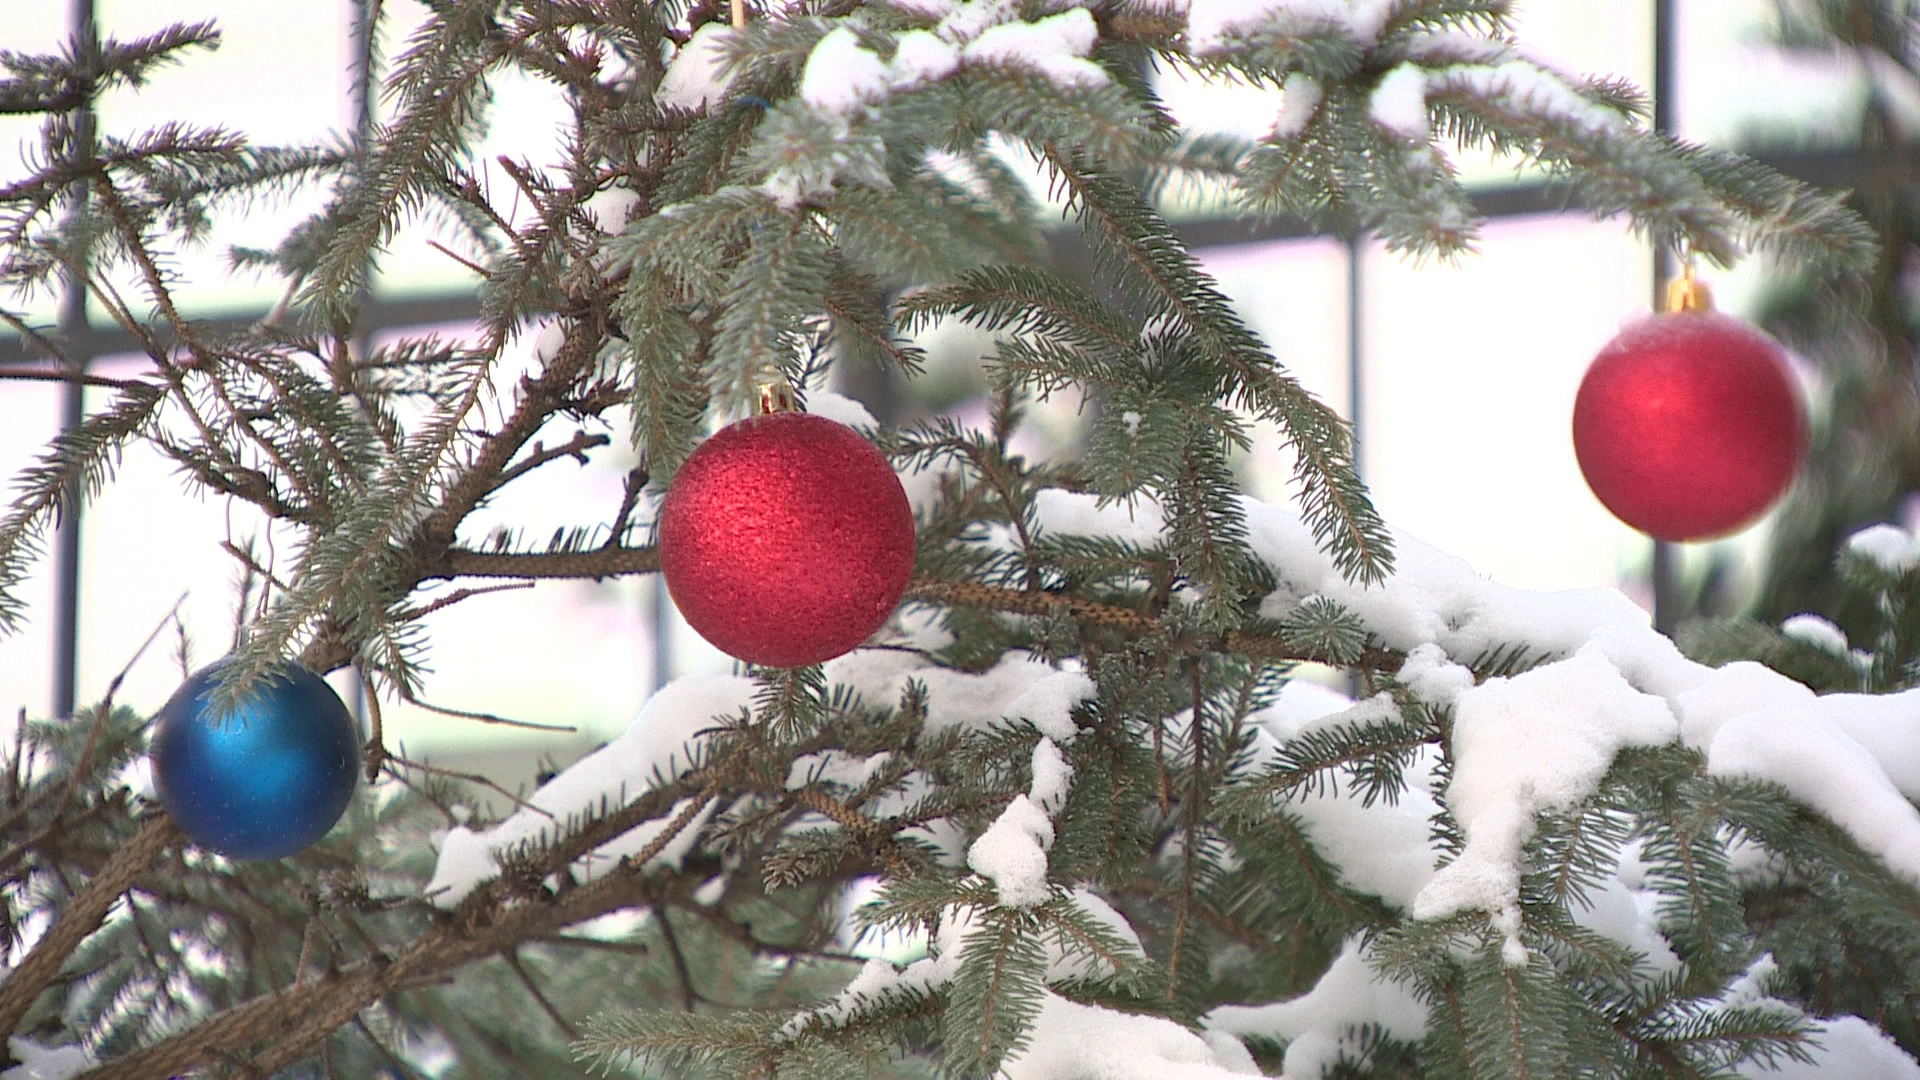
{"x":660,"y":743}
{"x":1610,"y":682}
{"x":1317,"y":1026}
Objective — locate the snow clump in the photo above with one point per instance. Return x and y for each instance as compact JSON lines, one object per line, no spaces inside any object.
{"x":843,"y":78}
{"x":1817,"y":632}
{"x":1889,"y":547}
{"x":38,"y":1062}
{"x":1399,"y":103}
{"x":1538,"y":741}
{"x":1048,"y":704}
{"x":1299,"y":98}
{"x":696,"y":80}
{"x":1012,"y":854}
{"x":1318,"y":1025}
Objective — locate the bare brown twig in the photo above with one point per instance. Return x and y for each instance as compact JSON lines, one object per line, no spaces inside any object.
{"x":486,"y":717}
{"x":682,"y":973}
{"x":459,"y":258}
{"x":600,"y":562}
{"x":575,"y":448}
{"x":512,"y":957}
{"x":635,"y":482}
{"x":65,"y":376}
{"x":456,"y":597}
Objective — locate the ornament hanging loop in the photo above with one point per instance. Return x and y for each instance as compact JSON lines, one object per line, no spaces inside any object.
{"x":739,"y":14}
{"x":776,"y":396}
{"x":1688,"y":293}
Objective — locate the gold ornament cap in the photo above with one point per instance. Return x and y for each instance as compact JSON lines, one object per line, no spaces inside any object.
{"x":1688,"y":293}
{"x":776,"y":396}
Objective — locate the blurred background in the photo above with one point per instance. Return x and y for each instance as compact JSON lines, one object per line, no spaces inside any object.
{"x":1460,"y":375}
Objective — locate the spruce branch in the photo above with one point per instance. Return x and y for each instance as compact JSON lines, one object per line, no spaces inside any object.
{"x":289,"y":1022}
{"x":1127,"y":620}
{"x":480,"y":716}
{"x":996,"y":993}
{"x":439,"y":84}
{"x":859,"y":326}
{"x":780,"y":281}
{"x":1145,"y":256}
{"x":1193,"y":809}
{"x":1026,"y":300}
{"x":64,"y":82}
{"x":81,"y":917}
{"x":368,"y":546}
{"x":1691,"y":198}
{"x":81,"y":460}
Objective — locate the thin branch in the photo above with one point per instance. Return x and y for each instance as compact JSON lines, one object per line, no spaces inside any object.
{"x":483,"y":717}
{"x":512,"y":957}
{"x":635,"y":483}
{"x":471,"y":778}
{"x":685,"y":974}
{"x":66,"y":377}
{"x":109,"y":197}
{"x":105,"y":707}
{"x":28,"y":333}
{"x":306,"y":945}
{"x":815,"y":797}
{"x":601,"y":562}
{"x":627,"y":948}
{"x":18,"y":760}
{"x":407,"y":1071}
{"x":575,"y":448}
{"x":443,"y":249}
{"x":445,"y":811}
{"x":455,"y":597}
{"x":523,"y":179}
{"x":1192,"y":809}
{"x":246,"y":559}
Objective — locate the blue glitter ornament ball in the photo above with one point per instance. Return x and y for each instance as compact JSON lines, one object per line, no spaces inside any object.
{"x":262,"y":779}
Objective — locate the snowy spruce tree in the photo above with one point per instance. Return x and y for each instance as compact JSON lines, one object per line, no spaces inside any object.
{"x":1079,"y":789}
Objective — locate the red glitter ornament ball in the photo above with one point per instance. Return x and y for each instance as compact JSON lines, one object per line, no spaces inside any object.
{"x":1688,"y":425}
{"x":786,"y":539}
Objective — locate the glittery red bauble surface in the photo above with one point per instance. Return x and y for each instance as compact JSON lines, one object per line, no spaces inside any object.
{"x":1688,"y":425}
{"x":786,"y":539}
